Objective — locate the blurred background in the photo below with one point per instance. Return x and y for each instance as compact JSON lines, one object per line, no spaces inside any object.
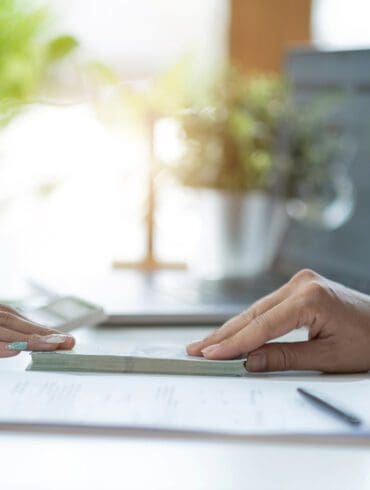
{"x":141,"y":108}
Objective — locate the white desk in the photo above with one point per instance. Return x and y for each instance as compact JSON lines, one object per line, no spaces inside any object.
{"x":130,"y":460}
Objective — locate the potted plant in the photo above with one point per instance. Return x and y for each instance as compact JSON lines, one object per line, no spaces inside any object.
{"x":27,"y":51}
{"x":228,"y":145}
{"x":315,"y":158}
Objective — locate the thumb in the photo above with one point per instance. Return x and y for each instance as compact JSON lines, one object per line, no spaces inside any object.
{"x":284,"y":356}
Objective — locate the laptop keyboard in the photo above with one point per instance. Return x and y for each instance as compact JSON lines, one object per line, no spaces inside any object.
{"x":239,"y":291}
{"x":226,"y":291}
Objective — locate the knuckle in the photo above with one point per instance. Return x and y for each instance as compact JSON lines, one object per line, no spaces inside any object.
{"x":263,"y":326}
{"x":305,"y":275}
{"x":247,"y":315}
{"x":5,"y":317}
{"x":286,"y":359}
{"x":314,"y":292}
{"x":33,"y":338}
{"x":244,"y":313}
{"x":240,"y":316}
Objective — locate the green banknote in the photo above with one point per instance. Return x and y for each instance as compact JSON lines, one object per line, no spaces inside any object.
{"x":147,"y":359}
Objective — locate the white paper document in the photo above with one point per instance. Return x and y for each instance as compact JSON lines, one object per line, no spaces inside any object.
{"x":238,"y":406}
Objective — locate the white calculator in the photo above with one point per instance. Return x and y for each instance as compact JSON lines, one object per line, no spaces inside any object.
{"x":65,"y":313}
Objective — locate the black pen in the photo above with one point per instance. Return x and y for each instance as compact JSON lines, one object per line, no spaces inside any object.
{"x":347,"y":417}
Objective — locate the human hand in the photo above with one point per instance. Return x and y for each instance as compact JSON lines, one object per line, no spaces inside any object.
{"x":337,"y":318}
{"x":18,"y":334}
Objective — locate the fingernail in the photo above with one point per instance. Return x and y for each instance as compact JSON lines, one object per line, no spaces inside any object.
{"x":256,"y":362}
{"x":195,"y":343}
{"x":209,"y":349}
{"x":17,"y":346}
{"x":53,"y":338}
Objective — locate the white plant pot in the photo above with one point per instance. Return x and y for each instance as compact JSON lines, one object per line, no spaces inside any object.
{"x":239,"y":234}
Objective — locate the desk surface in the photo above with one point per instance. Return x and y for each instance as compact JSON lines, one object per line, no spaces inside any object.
{"x":44,"y":460}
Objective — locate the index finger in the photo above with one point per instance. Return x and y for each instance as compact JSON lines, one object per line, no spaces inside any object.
{"x":274,"y":323}
{"x":21,"y":324}
{"x":27,"y":327}
{"x":238,"y":322}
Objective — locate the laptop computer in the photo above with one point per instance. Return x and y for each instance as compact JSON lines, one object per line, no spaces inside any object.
{"x":174,"y":298}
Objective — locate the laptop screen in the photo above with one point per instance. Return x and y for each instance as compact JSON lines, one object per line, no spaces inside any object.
{"x":343,"y":252}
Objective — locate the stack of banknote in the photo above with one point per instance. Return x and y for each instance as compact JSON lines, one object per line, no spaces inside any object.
{"x":149,"y":359}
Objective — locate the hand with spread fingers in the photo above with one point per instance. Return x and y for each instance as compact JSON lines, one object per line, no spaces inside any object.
{"x":18,"y":334}
{"x":337,"y":318}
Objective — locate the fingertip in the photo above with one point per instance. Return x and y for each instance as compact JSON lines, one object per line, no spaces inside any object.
{"x":68,"y":344}
{"x":189,"y":350}
{"x":215,"y":351}
{"x":222,"y":351}
{"x":256,"y":362}
{"x":9,"y":353}
{"x":195,"y":348}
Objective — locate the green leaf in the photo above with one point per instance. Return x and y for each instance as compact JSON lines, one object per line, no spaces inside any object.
{"x":60,"y":47}
{"x":101,"y":73}
{"x":25,"y":52}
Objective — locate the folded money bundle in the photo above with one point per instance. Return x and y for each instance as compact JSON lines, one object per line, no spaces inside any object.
{"x":152,"y":359}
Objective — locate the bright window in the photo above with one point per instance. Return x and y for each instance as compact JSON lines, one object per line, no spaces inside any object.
{"x":341,"y":23}
{"x":72,"y":192}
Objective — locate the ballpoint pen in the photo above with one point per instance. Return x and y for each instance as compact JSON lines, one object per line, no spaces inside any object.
{"x":344,"y":415}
